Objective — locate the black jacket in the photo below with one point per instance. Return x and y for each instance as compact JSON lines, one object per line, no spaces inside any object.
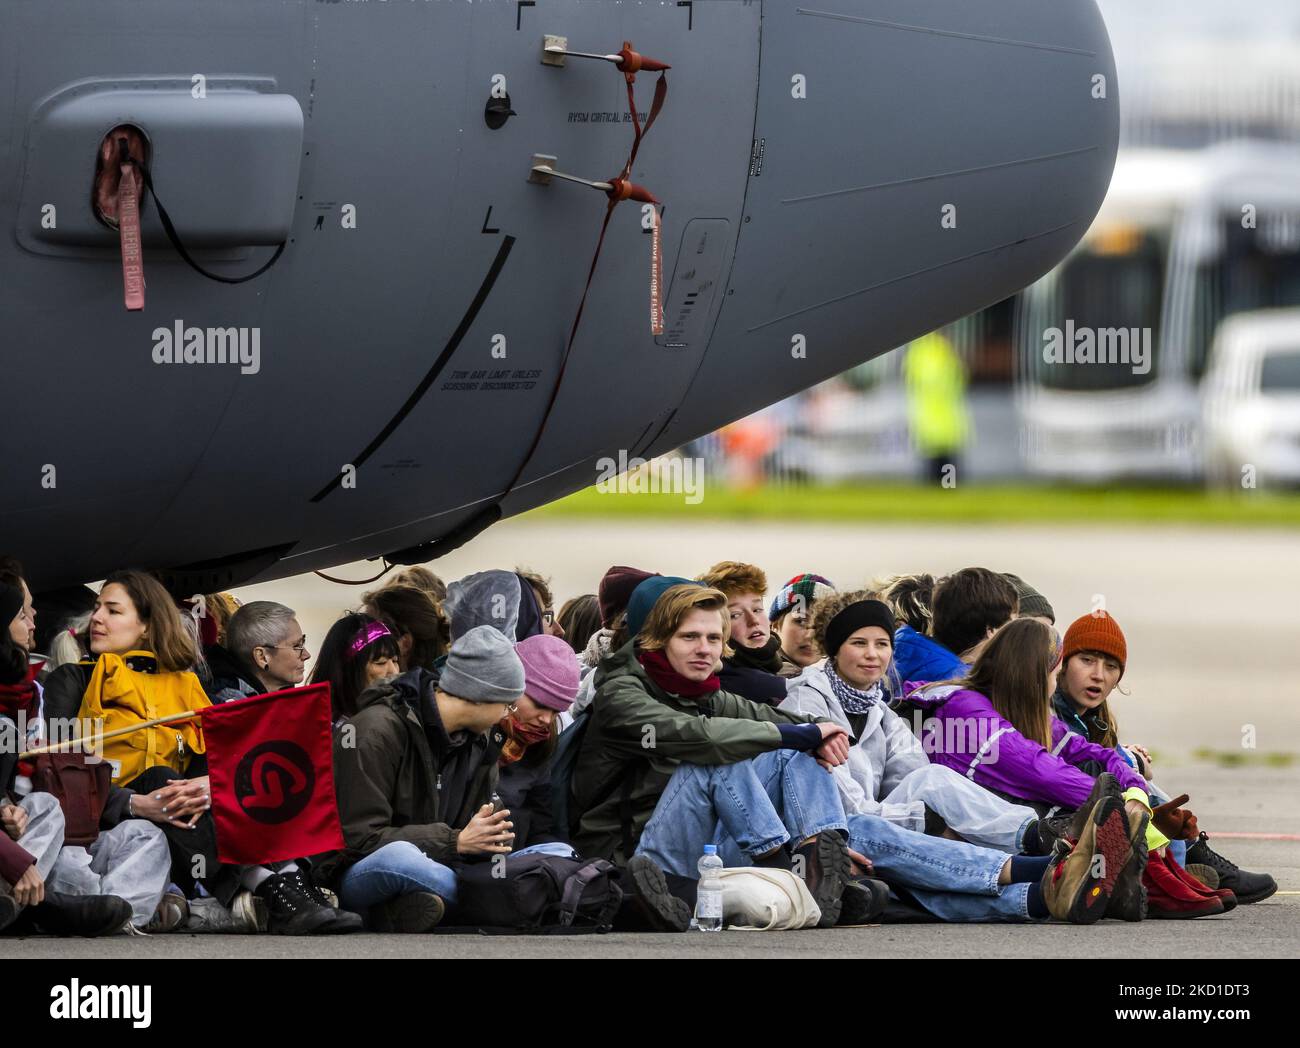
{"x":753,"y":684}
{"x":399,"y":776}
{"x":525,"y":788}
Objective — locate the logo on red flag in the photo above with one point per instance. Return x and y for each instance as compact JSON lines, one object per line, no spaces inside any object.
{"x":271,"y":769}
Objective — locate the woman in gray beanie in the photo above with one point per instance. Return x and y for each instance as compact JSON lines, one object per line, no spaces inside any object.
{"x":414,"y":770}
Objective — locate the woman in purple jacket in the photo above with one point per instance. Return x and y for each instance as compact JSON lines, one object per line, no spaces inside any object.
{"x":995,"y":726}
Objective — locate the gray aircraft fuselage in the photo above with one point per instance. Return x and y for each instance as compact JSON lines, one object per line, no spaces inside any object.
{"x":838,"y":178}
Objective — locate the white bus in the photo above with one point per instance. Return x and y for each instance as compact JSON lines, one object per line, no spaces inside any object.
{"x":1184,"y":240}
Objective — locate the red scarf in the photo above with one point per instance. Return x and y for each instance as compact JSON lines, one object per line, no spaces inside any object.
{"x":518,"y":738}
{"x":662,"y":673}
{"x":21,"y":697}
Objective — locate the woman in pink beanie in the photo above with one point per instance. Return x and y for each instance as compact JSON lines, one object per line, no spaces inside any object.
{"x":550,"y":686}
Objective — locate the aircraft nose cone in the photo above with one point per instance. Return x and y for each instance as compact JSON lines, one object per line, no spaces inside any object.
{"x":920,"y":160}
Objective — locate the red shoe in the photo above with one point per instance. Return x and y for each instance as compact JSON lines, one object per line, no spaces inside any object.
{"x":1224,"y":895}
{"x":1169,"y":898}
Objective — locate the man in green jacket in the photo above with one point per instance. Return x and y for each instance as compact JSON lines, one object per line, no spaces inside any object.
{"x":670,"y":762}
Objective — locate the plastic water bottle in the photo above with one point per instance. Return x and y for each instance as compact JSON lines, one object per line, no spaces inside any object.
{"x":708,"y":899}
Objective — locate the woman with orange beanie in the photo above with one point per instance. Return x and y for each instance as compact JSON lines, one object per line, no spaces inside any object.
{"x":1094,"y":655}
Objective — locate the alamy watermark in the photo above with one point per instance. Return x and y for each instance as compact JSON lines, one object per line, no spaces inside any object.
{"x":671,"y":474}
{"x":1088,"y":345}
{"x":215,"y":345}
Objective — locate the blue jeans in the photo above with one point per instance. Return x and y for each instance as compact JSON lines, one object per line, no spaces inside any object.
{"x":400,"y":868}
{"x":954,"y":880}
{"x":748,"y":809}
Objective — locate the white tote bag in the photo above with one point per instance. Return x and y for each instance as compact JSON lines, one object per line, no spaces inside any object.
{"x":764,"y":900}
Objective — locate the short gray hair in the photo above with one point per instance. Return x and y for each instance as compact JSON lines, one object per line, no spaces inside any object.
{"x":259,"y":624}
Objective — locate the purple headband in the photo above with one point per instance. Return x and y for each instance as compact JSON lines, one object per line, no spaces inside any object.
{"x":367,"y":635}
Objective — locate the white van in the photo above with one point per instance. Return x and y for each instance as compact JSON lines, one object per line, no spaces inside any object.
{"x":1252,"y":401}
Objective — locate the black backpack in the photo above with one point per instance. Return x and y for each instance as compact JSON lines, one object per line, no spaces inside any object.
{"x":542,"y":894}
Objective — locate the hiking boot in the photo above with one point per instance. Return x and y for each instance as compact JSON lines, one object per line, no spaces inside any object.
{"x":172,"y":912}
{"x":88,"y":915}
{"x":1078,"y":888}
{"x":863,"y":901}
{"x":412,"y":912}
{"x":291,"y":911}
{"x":1207,"y":875}
{"x":1052,"y":830}
{"x":1169,"y":898}
{"x":1105,"y":786}
{"x":1247,"y":887}
{"x":1128,"y":899}
{"x":651,"y":898}
{"x":344,"y":920}
{"x":826,"y":869}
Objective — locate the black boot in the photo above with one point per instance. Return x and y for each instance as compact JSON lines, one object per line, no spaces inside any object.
{"x":648,"y":903}
{"x":9,"y":909}
{"x":89,"y":915}
{"x":292,"y":911}
{"x":1247,"y":887}
{"x":344,"y":920}
{"x":863,"y":901}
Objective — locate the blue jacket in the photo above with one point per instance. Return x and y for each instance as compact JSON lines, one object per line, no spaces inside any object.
{"x":920,"y":658}
{"x":1075,"y":722}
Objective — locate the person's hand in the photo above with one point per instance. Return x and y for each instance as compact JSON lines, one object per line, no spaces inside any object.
{"x":834,"y":749}
{"x":1174,"y":821}
{"x":183,"y":801}
{"x":488,"y":833}
{"x":1142,"y":751}
{"x":14,"y":819}
{"x":860,"y":864}
{"x":29,"y":889}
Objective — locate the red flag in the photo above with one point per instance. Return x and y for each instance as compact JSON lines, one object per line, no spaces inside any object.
{"x":271,"y":769}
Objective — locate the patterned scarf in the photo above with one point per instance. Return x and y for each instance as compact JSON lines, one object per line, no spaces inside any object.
{"x":851,"y":699}
{"x":518,"y":738}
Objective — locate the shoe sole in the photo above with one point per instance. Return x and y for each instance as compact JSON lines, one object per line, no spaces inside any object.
{"x":1207,"y":875}
{"x":664,"y":910}
{"x":344,"y":923}
{"x":1186,"y":915}
{"x":1247,"y":900}
{"x":833,"y":858}
{"x":1128,"y":898}
{"x":414,"y":914}
{"x":1112,"y":841}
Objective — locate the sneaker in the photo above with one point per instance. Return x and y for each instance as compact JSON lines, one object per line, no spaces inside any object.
{"x":1169,"y":898}
{"x":291,"y":911}
{"x":344,"y":920}
{"x":649,"y":895}
{"x":1078,"y":888}
{"x":412,"y":912}
{"x":1128,"y":899}
{"x":863,"y":901}
{"x":1247,"y":887}
{"x":826,"y":868}
{"x":249,"y":912}
{"x":89,"y":915}
{"x":1207,"y":875}
{"x":172,"y":912}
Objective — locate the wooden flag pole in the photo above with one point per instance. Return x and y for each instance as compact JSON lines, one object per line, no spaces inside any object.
{"x":59,"y":747}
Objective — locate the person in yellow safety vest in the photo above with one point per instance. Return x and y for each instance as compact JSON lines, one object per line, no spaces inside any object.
{"x":936,"y":402}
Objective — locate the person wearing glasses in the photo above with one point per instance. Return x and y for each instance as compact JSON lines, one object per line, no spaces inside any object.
{"x":265,"y":650}
{"x":415,"y":767}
